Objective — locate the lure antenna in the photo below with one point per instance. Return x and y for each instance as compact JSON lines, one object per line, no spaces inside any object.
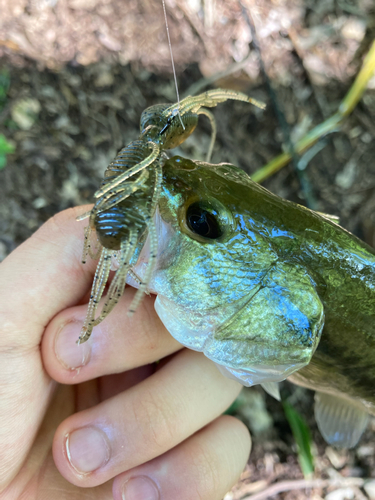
{"x":174,"y":70}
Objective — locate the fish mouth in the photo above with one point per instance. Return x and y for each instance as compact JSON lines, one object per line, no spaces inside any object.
{"x":234,"y":358}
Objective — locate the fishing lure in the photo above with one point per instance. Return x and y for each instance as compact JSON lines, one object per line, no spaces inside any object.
{"x":127,"y":200}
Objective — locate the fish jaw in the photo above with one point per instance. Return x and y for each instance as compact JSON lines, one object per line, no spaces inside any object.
{"x":203,"y":341}
{"x":237,"y":359}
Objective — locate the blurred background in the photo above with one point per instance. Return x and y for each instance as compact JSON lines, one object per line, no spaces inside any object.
{"x":75,"y":76}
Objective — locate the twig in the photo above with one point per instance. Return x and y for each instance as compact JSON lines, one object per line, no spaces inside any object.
{"x":301,"y":484}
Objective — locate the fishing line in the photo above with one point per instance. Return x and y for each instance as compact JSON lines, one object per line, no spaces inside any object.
{"x":174,"y":71}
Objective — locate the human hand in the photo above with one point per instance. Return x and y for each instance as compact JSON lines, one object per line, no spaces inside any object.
{"x":157,"y":431}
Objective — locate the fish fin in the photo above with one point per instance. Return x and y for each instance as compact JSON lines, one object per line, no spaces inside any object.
{"x":340,"y":421}
{"x":273,"y":389}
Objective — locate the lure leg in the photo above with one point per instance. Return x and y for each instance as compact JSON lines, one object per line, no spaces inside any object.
{"x":117,"y":286}
{"x":87,"y":243}
{"x":131,"y":171}
{"x":210,"y":116}
{"x":98,"y":286}
{"x":118,"y":194}
{"x":212,"y":98}
{"x":157,"y":189}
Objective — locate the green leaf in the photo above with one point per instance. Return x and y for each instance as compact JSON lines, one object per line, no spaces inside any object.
{"x":302,"y":435}
{"x":5,"y":146}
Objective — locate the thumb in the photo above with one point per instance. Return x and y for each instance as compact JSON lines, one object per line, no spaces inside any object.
{"x":39,"y":279}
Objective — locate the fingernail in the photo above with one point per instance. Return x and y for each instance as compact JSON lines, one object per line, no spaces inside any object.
{"x":70,"y":354}
{"x":140,"y":488}
{"x":87,"y":449}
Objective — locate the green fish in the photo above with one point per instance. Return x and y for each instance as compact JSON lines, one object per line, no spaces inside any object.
{"x":267,"y":289}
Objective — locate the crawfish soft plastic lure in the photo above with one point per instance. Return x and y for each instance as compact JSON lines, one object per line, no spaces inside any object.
{"x":129,"y":195}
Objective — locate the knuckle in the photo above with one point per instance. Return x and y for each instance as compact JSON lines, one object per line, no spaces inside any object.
{"x":157,"y":419}
{"x":206,"y":472}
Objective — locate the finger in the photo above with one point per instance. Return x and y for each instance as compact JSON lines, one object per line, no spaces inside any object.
{"x":38,"y":478}
{"x":204,"y":467}
{"x":117,"y":344}
{"x":147,"y":420}
{"x":41,"y":277}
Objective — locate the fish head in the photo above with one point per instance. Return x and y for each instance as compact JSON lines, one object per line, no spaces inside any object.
{"x":221,"y":285}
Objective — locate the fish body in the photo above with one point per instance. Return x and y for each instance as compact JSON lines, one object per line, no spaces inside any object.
{"x":267,"y":289}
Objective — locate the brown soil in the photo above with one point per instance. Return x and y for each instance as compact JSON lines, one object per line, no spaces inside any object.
{"x":82,"y":71}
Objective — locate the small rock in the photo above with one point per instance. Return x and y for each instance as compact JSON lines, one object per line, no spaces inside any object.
{"x":340,"y":494}
{"x":73,"y":80}
{"x":365,"y":451}
{"x":355,"y":132}
{"x":62,"y":122}
{"x":366,"y":138}
{"x":354,"y":29}
{"x":338,"y":458}
{"x":40,"y":203}
{"x":252,"y":410}
{"x":104,"y":79}
{"x":69,"y":191}
{"x":346,"y":177}
{"x":25,"y":112}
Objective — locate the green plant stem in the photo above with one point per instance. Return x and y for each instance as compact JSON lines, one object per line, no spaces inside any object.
{"x":330,"y":125}
{"x":302,"y":436}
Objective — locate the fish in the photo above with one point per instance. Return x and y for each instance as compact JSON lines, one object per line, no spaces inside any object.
{"x":267,"y":289}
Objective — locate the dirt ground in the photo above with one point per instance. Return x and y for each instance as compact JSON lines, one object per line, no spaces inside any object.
{"x":77,"y":75}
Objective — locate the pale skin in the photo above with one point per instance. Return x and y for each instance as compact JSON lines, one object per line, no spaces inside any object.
{"x":102,"y":420}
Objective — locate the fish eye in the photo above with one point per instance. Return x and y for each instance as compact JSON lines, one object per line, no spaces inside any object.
{"x":203,"y":221}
